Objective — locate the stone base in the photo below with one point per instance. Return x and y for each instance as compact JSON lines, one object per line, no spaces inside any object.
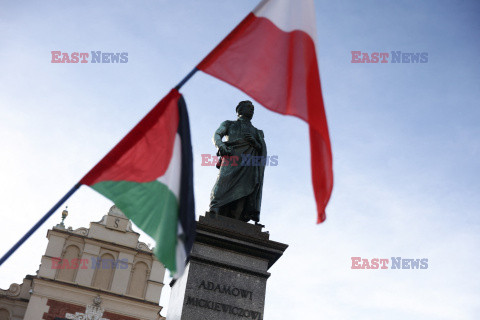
{"x":226,"y":276}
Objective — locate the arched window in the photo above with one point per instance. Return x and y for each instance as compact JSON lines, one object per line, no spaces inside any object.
{"x":68,"y":267}
{"x":138,"y":281}
{"x":104,"y":273}
{"x":4,"y":314}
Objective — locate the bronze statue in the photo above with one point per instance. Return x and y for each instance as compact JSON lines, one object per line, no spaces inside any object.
{"x":237,"y":193}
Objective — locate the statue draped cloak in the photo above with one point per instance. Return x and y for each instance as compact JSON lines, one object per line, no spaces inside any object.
{"x":245,"y":179}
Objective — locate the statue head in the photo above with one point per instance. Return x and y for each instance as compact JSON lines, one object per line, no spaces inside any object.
{"x":245,"y":109}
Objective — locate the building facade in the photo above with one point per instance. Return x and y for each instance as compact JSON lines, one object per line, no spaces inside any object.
{"x":99,"y":273}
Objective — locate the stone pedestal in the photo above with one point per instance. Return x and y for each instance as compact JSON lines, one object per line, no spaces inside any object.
{"x":227,"y":274}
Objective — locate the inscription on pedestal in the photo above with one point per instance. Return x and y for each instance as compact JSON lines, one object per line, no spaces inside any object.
{"x":232,"y":291}
{"x":224,"y":291}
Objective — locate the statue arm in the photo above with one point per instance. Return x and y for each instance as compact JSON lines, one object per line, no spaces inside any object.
{"x":217,"y":138}
{"x":262,"y":140}
{"x":256,"y":141}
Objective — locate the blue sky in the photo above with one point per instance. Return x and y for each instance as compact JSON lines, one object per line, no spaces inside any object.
{"x":405,"y":141}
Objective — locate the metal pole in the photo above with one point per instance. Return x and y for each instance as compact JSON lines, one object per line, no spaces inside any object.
{"x":187,"y":77}
{"x":39,"y":223}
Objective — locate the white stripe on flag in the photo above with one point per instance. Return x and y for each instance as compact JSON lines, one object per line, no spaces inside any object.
{"x":289,"y":15}
{"x":172,"y":176}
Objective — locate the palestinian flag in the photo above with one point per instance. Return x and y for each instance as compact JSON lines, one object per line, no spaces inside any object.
{"x":149,"y":176}
{"x":272,"y":56}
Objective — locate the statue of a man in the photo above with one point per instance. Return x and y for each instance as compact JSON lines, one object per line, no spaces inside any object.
{"x":237,"y":193}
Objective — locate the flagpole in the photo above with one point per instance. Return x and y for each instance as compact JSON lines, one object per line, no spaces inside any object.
{"x":187,"y":77}
{"x":39,"y":223}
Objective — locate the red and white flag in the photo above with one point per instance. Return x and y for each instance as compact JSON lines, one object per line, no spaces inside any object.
{"x":271,"y":56}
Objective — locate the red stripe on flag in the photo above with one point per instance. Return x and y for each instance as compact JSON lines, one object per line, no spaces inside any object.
{"x":279,"y":69}
{"x":322,"y":175}
{"x":144,"y":153}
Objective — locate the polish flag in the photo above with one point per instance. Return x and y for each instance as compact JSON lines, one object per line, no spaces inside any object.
{"x":271,"y":56}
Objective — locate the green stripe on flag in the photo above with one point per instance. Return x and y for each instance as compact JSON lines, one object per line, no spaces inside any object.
{"x":153,"y":208}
